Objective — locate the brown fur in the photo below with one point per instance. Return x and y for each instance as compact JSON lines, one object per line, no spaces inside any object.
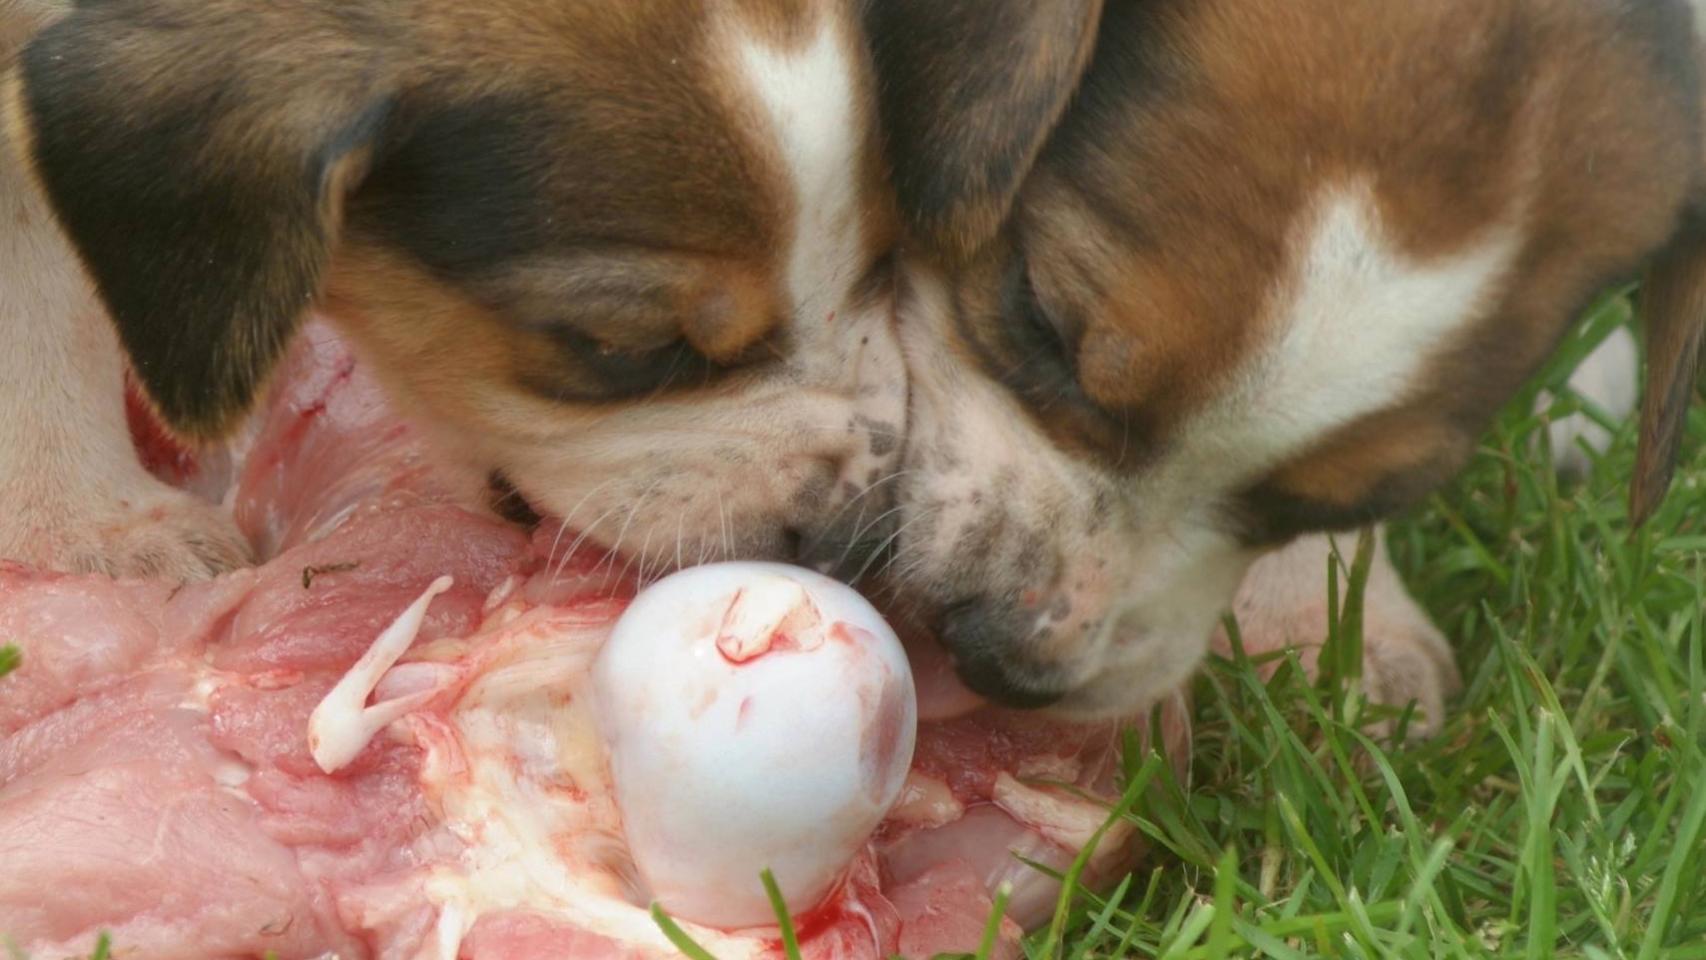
{"x":530,"y":216}
{"x":644,"y":200}
{"x":1130,"y":405}
{"x":1155,"y":224}
{"x":969,"y":91}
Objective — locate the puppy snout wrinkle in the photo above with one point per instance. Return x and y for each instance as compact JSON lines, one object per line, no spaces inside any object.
{"x":988,"y":640}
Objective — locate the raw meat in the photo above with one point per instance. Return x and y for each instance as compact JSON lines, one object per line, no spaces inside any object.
{"x":156,"y":780}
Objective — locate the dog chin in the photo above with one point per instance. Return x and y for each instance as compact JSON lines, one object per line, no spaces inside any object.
{"x":1124,"y":691}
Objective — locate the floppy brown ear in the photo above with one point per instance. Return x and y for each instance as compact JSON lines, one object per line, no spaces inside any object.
{"x":968,"y":92}
{"x":196,"y":155}
{"x":1673,"y":301}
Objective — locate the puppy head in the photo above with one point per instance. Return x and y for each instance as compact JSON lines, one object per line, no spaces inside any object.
{"x":1273,"y":269}
{"x":628,"y":258}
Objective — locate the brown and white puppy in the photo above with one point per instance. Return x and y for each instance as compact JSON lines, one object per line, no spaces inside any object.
{"x":1190,"y":278}
{"x":630,"y":259}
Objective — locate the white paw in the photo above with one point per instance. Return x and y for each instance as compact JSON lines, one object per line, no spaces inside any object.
{"x":1607,"y":380}
{"x":146,"y":529}
{"x":1283,"y":603}
{"x":1405,"y":660}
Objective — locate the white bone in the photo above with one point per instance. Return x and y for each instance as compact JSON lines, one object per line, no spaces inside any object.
{"x":341,"y":726}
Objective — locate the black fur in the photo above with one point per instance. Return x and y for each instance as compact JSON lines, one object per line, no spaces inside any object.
{"x":454,"y":186}
{"x":968,"y":92}
{"x":206,"y":261}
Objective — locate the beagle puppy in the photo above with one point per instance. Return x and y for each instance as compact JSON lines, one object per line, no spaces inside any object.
{"x":629,"y":261}
{"x":1186,"y":279}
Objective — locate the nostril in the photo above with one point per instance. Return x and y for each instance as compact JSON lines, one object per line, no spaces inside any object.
{"x":987,"y":643}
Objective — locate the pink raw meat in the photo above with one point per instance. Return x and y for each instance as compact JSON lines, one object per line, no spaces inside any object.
{"x":156,"y":782}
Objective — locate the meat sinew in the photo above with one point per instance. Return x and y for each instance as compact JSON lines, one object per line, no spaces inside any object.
{"x":384,"y":742}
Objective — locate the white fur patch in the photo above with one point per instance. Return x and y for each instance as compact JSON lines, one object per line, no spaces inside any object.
{"x":1355,"y":327}
{"x":808,"y":96}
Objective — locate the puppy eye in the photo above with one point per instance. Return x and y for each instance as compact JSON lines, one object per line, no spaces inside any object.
{"x":611,"y":371}
{"x":1036,"y":326}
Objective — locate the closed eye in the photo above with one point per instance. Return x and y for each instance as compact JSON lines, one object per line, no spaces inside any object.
{"x":1038,"y":334}
{"x":606,"y":372}
{"x":1025,"y":348}
{"x":1033,"y":351}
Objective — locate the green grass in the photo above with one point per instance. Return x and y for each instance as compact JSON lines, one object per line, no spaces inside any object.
{"x":1561,"y":813}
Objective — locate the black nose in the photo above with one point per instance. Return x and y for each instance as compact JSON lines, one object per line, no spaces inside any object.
{"x":989,"y":640}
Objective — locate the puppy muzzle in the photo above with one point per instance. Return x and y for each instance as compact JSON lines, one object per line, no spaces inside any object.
{"x":991,"y":641}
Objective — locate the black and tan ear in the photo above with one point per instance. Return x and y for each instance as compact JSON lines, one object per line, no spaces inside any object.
{"x":196,"y":154}
{"x":968,"y":92}
{"x":1673,"y":304}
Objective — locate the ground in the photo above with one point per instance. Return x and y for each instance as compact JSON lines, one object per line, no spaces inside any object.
{"x":1561,"y":811}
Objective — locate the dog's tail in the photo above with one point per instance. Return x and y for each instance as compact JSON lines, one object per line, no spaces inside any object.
{"x":1673,"y":302}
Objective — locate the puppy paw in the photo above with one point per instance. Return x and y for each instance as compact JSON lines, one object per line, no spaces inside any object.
{"x":1607,"y":380}
{"x":1406,"y":660}
{"x":149,"y":530}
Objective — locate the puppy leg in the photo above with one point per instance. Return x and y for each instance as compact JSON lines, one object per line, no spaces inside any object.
{"x":1608,"y":380}
{"x":1283,"y":603}
{"x":73,"y":495}
{"x":1283,"y":600}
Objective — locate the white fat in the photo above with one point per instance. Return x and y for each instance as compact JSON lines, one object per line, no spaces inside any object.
{"x":343,"y":724}
{"x":232,"y":773}
{"x":522,"y":779}
{"x":502,"y":594}
{"x":453,"y":924}
{"x":926,"y":801}
{"x":1050,"y":767}
{"x":1066,"y":820}
{"x":207,"y":682}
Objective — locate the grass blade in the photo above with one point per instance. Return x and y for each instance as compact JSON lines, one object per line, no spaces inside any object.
{"x":683,"y":941}
{"x":790,"y":941}
{"x":992,"y":926}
